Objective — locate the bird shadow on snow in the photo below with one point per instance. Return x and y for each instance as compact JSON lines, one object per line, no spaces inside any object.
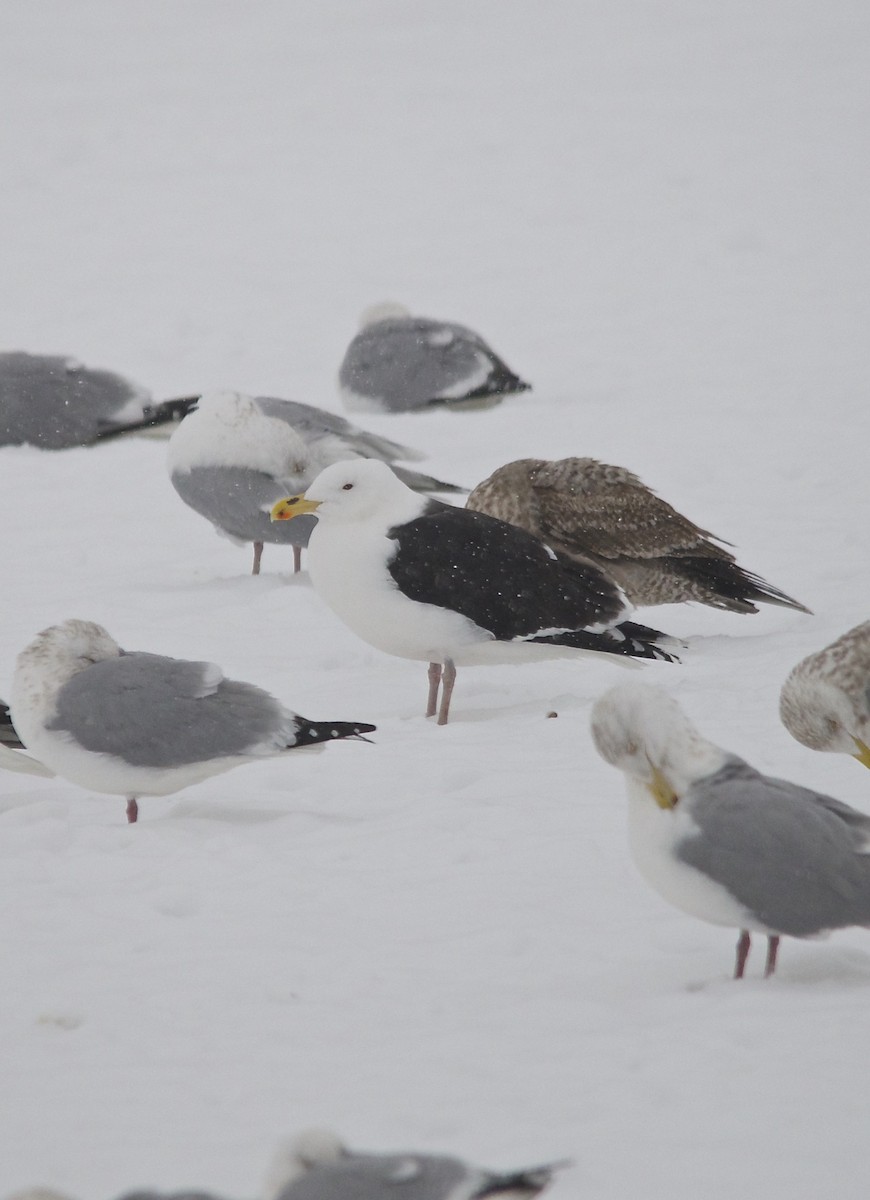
{"x":231,"y":585}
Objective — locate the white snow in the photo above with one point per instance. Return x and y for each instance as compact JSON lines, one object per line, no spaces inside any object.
{"x":656,"y":210}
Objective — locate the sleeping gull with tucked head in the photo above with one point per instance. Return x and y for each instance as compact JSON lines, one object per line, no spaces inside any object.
{"x":136,"y":724}
{"x":604,"y":514}
{"x":725,"y":843}
{"x":55,"y":402}
{"x":427,"y":581}
{"x":316,"y":1165}
{"x":233,"y":457}
{"x":825,"y":701}
{"x":401,"y":363}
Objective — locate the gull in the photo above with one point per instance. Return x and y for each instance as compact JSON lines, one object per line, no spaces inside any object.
{"x":604,"y":514}
{"x":132,"y":724}
{"x":724,"y":842}
{"x":825,"y":701}
{"x":423,"y":580}
{"x":316,"y":1165}
{"x":55,"y":402}
{"x":401,"y":363}
{"x":233,"y":457}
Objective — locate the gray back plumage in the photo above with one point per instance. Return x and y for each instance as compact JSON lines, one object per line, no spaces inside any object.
{"x":54,"y":402}
{"x":313,"y":424}
{"x":405,"y":363}
{"x":794,"y":858}
{"x":378,"y":1177}
{"x":153,"y":711}
{"x":237,"y":501}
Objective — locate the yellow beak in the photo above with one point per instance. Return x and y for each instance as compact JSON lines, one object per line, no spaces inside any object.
{"x":662,"y":792}
{"x":292,"y":506}
{"x":862,"y":753}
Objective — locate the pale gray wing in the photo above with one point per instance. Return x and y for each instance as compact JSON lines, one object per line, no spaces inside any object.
{"x":313,"y":424}
{"x":237,"y":500}
{"x":149,"y":1195}
{"x":153,"y":711}
{"x":378,"y":1177}
{"x":406,"y":363}
{"x":794,"y":858}
{"x":54,"y":402}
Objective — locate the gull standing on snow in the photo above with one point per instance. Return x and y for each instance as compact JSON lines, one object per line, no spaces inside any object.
{"x":604,"y":514}
{"x":400,"y":363}
{"x":725,"y":843}
{"x":825,"y":701}
{"x":54,"y":402}
{"x":136,"y":724}
{"x":318,"y":1166}
{"x":423,"y":580}
{"x":233,"y":457}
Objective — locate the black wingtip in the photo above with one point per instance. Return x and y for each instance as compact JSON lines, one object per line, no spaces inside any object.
{"x":310,"y":733}
{"x":167,"y":412}
{"x":8,"y":733}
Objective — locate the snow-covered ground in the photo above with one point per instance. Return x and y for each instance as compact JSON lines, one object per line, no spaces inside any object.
{"x":656,"y":211}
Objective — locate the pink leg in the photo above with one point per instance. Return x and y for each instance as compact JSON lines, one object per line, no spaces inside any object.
{"x":132,"y":810}
{"x":770,"y":964}
{"x":447,"y":681}
{"x":743,"y":944}
{"x":297,"y":559}
{"x":434,"y":680}
{"x":258,"y":554}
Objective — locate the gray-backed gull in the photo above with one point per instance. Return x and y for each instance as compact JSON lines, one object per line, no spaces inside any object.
{"x":725,"y":843}
{"x":604,"y":514}
{"x":233,"y":457}
{"x":424,"y":580}
{"x":401,"y":363}
{"x":136,"y":724}
{"x":825,"y":701}
{"x":316,"y":1165}
{"x":55,"y":402}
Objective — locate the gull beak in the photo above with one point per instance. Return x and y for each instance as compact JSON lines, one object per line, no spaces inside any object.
{"x":662,"y":792}
{"x":292,"y":506}
{"x":862,"y":752}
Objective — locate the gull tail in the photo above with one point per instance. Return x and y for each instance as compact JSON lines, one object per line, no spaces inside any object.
{"x":167,"y":412}
{"x":419,"y":482}
{"x":721,"y":583}
{"x":527,"y":1182}
{"x":309,"y":733}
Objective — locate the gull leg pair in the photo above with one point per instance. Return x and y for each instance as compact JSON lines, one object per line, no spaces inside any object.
{"x":258,"y":554}
{"x":743,"y":944}
{"x":447,"y":678}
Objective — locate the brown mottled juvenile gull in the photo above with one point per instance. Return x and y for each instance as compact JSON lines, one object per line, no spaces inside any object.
{"x":604,"y":514}
{"x":825,"y":701}
{"x":55,"y":402}
{"x":136,"y":724}
{"x":401,"y":363}
{"x":316,"y":1165}
{"x":233,"y":457}
{"x":423,"y":580}
{"x":725,"y":843}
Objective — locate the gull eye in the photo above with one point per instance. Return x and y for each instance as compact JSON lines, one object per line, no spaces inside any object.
{"x":346,"y":487}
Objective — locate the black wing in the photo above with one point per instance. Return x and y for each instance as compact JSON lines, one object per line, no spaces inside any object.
{"x":502,"y":578}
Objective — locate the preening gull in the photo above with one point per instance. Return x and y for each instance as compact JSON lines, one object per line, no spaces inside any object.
{"x":136,"y":724}
{"x":233,"y":457}
{"x":424,"y":580}
{"x":316,"y":1165}
{"x":604,"y":514}
{"x":401,"y":363}
{"x":725,"y":843}
{"x":55,"y":402}
{"x":825,"y":701}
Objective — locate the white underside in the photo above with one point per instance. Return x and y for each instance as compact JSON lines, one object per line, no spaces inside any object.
{"x":653,"y":834}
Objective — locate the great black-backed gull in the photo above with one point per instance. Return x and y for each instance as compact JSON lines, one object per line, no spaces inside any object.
{"x":825,"y":701}
{"x":604,"y":514}
{"x":54,"y":402}
{"x":401,"y":363}
{"x":725,"y":843}
{"x":136,"y":724}
{"x":316,"y":1165}
{"x":424,"y":580}
{"x":233,"y":457}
